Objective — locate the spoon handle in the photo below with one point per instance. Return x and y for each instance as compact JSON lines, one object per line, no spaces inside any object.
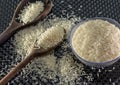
{"x":16,"y":69}
{"x":9,"y":32}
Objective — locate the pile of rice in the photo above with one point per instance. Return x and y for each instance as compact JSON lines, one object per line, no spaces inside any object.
{"x":51,"y":65}
{"x":31,"y":11}
{"x":50,"y":38}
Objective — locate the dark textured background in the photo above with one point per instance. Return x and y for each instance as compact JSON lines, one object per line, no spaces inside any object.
{"x":82,"y":8}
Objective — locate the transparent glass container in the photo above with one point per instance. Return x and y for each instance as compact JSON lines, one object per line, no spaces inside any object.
{"x":89,"y":63}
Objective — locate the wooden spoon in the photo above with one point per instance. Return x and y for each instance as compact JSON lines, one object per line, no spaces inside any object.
{"x":15,"y":25}
{"x":35,"y":52}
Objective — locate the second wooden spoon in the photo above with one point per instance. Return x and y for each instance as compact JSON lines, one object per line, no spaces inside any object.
{"x":15,"y":26}
{"x":35,"y":52}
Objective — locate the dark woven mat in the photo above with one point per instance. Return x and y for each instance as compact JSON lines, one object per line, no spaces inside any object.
{"x":82,"y":8}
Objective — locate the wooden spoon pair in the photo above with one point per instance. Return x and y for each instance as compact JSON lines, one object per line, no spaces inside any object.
{"x":14,"y":26}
